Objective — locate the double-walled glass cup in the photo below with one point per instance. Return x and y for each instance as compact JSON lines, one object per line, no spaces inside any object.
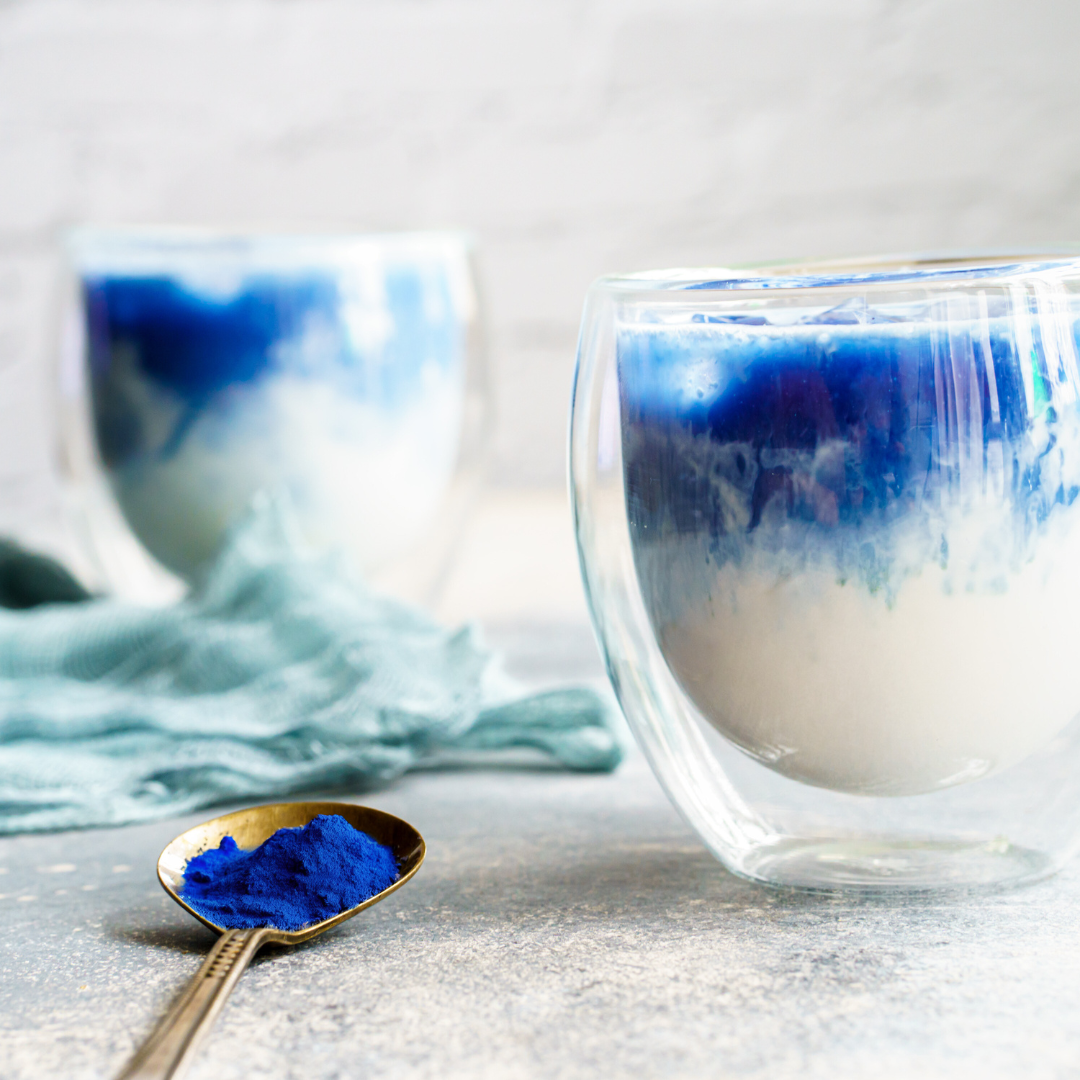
{"x":828,"y":524}
{"x":345,"y":372}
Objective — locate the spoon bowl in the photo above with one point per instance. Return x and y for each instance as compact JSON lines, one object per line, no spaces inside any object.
{"x":249,"y":828}
{"x":171,"y":1047}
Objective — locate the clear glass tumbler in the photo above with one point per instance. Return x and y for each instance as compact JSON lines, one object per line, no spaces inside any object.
{"x":345,"y":371}
{"x":828,"y":525}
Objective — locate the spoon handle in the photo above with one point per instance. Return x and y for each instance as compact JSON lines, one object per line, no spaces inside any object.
{"x":169,"y":1050}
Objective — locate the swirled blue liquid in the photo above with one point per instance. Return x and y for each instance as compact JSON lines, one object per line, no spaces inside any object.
{"x":815,"y":497}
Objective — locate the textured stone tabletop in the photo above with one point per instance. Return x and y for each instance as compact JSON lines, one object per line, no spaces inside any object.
{"x":562,"y":926}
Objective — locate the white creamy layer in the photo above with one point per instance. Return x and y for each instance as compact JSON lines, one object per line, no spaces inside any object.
{"x":834,"y":686}
{"x":362,"y":478}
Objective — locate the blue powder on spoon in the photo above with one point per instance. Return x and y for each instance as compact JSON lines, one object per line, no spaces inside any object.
{"x":295,"y":878}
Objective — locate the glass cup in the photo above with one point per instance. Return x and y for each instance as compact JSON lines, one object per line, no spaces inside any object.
{"x":344,"y":371}
{"x":828,"y":525}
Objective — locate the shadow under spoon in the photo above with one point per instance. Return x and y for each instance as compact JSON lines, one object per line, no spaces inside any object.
{"x":170,"y":1049}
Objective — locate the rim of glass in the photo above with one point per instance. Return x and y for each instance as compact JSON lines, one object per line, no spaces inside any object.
{"x":802,"y":275}
{"x":120,"y":248}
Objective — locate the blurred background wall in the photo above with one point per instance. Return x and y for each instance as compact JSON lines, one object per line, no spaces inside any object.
{"x":572,"y":137}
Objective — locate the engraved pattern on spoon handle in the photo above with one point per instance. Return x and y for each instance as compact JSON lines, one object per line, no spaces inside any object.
{"x":169,"y":1050}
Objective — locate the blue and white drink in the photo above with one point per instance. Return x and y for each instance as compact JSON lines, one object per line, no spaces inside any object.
{"x":855,"y":525}
{"x":332,"y":369}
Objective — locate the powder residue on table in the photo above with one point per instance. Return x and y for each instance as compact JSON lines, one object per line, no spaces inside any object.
{"x":295,"y":878}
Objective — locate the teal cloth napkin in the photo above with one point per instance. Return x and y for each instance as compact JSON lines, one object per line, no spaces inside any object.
{"x":281,"y":674}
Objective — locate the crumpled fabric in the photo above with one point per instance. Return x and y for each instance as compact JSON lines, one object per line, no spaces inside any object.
{"x":28,"y":579}
{"x":281,"y":674}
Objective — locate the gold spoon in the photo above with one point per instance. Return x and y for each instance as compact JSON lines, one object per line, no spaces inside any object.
{"x":170,"y":1049}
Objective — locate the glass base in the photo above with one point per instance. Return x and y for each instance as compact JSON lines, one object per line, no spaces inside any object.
{"x":893,"y":866}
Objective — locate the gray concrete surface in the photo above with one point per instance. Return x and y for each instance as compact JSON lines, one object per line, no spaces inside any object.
{"x":562,"y":926}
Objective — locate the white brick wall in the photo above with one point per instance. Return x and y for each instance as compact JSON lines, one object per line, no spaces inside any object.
{"x":573,"y":137}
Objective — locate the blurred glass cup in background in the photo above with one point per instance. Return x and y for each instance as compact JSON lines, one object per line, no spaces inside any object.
{"x":346,"y":372}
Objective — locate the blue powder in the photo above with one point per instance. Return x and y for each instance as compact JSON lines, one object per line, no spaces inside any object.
{"x":296,"y":878}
